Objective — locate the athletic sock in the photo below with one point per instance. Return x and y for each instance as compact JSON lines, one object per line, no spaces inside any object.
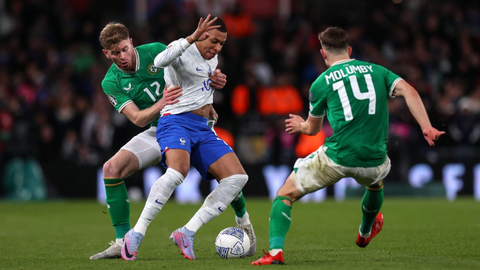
{"x":118,"y":205}
{"x":238,"y":205}
{"x":161,"y":191}
{"x":280,"y":221}
{"x":371,"y":204}
{"x":217,"y":201}
{"x":275,"y":251}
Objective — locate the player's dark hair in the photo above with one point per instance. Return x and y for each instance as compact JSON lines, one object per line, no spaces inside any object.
{"x":223,"y":27}
{"x":112,"y":34}
{"x":334,"y":39}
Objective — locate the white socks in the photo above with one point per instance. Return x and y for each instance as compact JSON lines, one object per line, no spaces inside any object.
{"x":217,"y":201}
{"x":245,"y":220}
{"x":161,"y":191}
{"x":275,"y":251}
{"x":364,"y":235}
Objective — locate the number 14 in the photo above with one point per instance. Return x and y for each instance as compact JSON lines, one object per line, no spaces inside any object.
{"x":342,"y":93}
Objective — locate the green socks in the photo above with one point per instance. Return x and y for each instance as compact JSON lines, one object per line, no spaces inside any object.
{"x":280,"y":221}
{"x":118,"y":205}
{"x":238,"y":205}
{"x":371,"y":204}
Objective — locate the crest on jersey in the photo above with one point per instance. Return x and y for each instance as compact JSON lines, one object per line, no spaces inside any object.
{"x":112,"y":100}
{"x":153,"y":69}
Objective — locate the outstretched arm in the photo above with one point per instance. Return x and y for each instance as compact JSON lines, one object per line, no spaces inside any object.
{"x":296,"y":124}
{"x":176,"y":48}
{"x":143,"y":117}
{"x":416,"y":107}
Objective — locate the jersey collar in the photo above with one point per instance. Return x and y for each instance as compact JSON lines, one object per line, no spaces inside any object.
{"x":342,"y":61}
{"x":137,"y":64}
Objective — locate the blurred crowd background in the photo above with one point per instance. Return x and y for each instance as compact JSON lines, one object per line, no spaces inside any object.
{"x":54,"y":114}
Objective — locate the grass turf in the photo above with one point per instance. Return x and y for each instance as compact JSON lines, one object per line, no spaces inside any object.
{"x":417,"y":234}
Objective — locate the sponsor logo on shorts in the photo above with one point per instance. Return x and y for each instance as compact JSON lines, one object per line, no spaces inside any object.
{"x":182,"y":141}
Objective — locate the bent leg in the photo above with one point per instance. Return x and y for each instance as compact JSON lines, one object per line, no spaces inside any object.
{"x":280,"y":214}
{"x":122,"y":164}
{"x":217,"y":201}
{"x":178,"y":162}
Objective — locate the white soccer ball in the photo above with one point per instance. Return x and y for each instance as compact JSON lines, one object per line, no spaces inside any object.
{"x":231,"y":243}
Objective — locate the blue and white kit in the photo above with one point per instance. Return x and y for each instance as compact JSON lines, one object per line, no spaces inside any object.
{"x":177,"y":127}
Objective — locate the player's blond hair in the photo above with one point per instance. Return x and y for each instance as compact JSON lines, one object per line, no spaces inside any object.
{"x":334,"y":39}
{"x":112,"y":34}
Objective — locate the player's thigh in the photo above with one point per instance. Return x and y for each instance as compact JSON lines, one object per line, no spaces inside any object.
{"x":179,"y":160}
{"x":316,"y":171}
{"x":211,"y":155}
{"x":226,"y":166}
{"x":371,"y":176}
{"x":122,"y":164}
{"x":145,"y":150}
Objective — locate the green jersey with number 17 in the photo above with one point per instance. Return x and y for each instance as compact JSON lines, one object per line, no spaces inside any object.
{"x":144,"y":87}
{"x":354,"y":96}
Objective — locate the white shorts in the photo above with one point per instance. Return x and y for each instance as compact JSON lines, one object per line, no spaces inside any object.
{"x":145,"y":147}
{"x":317,"y":171}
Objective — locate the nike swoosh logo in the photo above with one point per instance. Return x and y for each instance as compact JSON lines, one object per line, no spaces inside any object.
{"x":129,"y":87}
{"x":366,"y":210}
{"x":127,"y":253}
{"x":198,"y":69}
{"x":220,"y":209}
{"x":285,"y":215}
{"x":159,"y":202}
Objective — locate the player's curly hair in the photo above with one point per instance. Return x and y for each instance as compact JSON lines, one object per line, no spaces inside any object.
{"x":334,"y":39}
{"x":112,"y":34}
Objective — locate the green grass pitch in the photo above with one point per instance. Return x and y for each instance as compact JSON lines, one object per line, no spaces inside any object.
{"x":417,"y":234}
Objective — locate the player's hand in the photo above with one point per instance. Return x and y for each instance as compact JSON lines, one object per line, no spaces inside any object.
{"x":431,"y":134}
{"x":218,"y":79}
{"x":201,"y":33}
{"x":171,"y":95}
{"x":293,"y":124}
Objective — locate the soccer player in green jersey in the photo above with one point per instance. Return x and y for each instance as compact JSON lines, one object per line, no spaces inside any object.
{"x":135,"y":87}
{"x":354,"y":96}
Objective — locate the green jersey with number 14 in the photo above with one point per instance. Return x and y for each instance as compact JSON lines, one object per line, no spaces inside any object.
{"x":354,"y":96}
{"x":144,"y":87}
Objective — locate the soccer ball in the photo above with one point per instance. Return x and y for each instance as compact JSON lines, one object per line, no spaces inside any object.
{"x":231,"y":243}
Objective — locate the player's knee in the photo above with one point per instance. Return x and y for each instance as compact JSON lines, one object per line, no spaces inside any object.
{"x":287,"y":194}
{"x":182,"y":169}
{"x":111,"y":169}
{"x":236,"y":181}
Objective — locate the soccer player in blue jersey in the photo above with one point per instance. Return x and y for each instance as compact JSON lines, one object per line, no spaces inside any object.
{"x":183,"y":135}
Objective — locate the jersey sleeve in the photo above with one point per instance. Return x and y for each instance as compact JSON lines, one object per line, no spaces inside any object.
{"x":391,"y":79}
{"x":317,"y":100}
{"x":173,"y":51}
{"x":115,"y":95}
